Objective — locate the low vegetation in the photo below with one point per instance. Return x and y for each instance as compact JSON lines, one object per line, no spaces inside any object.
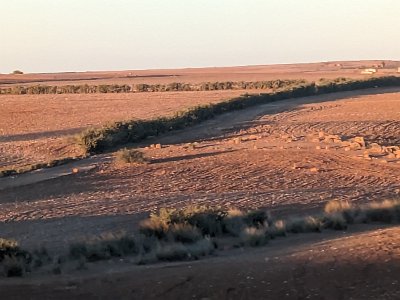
{"x":13,"y":260}
{"x":142,"y":87}
{"x":97,"y":140}
{"x":194,"y":232}
{"x":130,"y":156}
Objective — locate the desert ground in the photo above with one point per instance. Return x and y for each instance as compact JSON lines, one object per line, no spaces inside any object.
{"x":308,"y":71}
{"x":290,"y":157}
{"x":38,"y":128}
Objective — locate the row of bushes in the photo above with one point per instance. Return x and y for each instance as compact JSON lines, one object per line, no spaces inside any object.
{"x":96,"y":140}
{"x":256,"y":227}
{"x":142,"y":87}
{"x":193,"y":232}
{"x":65,"y":89}
{"x":215,"y":86}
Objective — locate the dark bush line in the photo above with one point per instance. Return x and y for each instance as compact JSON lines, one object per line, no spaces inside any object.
{"x":65,"y":89}
{"x":196,"y":231}
{"x":142,"y":87}
{"x":217,"y":86}
{"x":120,"y":133}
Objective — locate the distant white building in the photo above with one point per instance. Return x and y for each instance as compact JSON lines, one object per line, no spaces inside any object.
{"x":368,"y":71}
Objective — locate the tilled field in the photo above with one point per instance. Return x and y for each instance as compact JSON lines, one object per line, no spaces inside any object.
{"x":36,"y":128}
{"x":280,"y":160}
{"x":290,"y":157}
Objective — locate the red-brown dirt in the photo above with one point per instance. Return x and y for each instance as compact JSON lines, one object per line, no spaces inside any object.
{"x":35,"y":128}
{"x":267,"y":156}
{"x":276,"y":165}
{"x":309,"y":71}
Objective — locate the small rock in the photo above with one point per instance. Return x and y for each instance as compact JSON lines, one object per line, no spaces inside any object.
{"x":391,"y":155}
{"x":359,"y":140}
{"x":237,"y":140}
{"x":252,"y":137}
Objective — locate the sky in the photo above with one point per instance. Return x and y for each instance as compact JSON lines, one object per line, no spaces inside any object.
{"x":83,"y":35}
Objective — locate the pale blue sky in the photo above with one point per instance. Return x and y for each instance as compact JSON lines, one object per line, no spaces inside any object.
{"x":79,"y":35}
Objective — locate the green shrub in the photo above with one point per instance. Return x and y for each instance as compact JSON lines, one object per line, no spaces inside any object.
{"x":335,"y":221}
{"x":104,"y":248}
{"x":10,"y":249}
{"x":151,"y":227}
{"x":387,"y":211}
{"x":184,"y":233}
{"x":257,"y":218}
{"x":336,"y":206}
{"x":304,"y":224}
{"x":14,"y":261}
{"x":233,"y":224}
{"x":253,"y":237}
{"x":202,"y":247}
{"x":13,"y":266}
{"x":179,"y":251}
{"x":278,"y":228}
{"x":171,"y":252}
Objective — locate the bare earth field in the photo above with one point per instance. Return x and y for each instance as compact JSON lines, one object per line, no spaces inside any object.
{"x":35,"y":128}
{"x":278,"y":164}
{"x":277,"y":156}
{"x":309,"y":71}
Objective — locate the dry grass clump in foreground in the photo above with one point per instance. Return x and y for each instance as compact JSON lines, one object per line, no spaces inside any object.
{"x":196,"y":231}
{"x":15,"y":261}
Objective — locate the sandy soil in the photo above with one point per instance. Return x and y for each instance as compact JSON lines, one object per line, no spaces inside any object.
{"x":346,"y":265}
{"x":278,"y":163}
{"x":33,"y":128}
{"x":266,"y":169}
{"x":310,"y":71}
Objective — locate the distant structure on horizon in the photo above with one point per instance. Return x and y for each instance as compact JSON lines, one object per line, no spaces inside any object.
{"x":398,"y":70}
{"x":368,"y":71}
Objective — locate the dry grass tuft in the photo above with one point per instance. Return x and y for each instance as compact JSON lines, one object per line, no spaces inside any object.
{"x":336,"y":206}
{"x":253,"y":237}
{"x":130,"y":156}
